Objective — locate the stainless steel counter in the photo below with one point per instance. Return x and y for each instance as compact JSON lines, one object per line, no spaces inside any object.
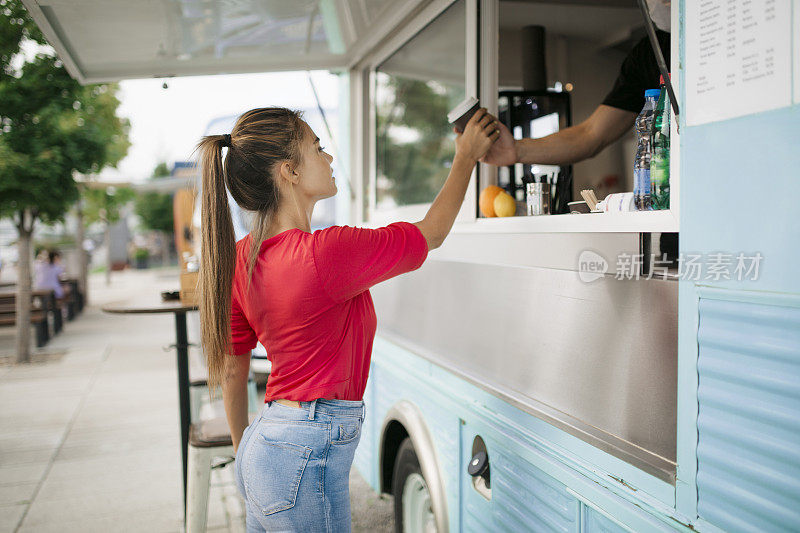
{"x":596,"y":359}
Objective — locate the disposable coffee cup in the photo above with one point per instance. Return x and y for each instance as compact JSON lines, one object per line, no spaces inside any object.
{"x":461,"y":113}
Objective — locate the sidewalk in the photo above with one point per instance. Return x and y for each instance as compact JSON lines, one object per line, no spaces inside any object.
{"x":89,"y":437}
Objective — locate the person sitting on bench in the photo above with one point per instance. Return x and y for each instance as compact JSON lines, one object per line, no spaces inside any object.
{"x":47,"y":275}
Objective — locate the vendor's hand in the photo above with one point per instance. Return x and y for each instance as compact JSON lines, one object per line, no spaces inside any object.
{"x":479,"y":135}
{"x":503,"y":153}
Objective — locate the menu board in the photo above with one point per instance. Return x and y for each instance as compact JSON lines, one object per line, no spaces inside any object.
{"x":738,"y":58}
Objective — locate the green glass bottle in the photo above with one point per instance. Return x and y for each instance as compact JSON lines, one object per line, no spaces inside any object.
{"x":659,"y":163}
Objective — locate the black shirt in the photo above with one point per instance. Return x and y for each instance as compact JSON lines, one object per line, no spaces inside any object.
{"x":638,"y":73}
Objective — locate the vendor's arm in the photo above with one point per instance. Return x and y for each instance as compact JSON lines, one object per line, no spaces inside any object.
{"x":609,"y":122}
{"x":585,"y":140}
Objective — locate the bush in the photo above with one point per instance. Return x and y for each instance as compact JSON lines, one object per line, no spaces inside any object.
{"x":141,"y":254}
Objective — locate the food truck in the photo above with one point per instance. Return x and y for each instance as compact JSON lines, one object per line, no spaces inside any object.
{"x":545,"y":373}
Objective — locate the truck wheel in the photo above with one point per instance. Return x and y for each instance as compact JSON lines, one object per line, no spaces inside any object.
{"x":412,"y":499}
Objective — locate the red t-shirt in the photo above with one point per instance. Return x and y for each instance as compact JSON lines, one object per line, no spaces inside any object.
{"x":309,"y":304}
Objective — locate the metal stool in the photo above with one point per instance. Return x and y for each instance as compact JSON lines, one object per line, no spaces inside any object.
{"x":198,"y":388}
{"x":207,"y":439}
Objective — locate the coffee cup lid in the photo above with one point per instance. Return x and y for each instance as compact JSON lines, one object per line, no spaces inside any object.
{"x":461,"y":108}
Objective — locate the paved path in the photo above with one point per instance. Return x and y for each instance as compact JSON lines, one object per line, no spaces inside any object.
{"x":89,"y":430}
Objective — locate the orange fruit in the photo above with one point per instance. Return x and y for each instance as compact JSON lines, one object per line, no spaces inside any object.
{"x":486,"y":200}
{"x":504,"y":205}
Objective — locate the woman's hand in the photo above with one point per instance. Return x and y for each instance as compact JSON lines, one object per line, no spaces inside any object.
{"x":481,"y":132}
{"x":503,"y":153}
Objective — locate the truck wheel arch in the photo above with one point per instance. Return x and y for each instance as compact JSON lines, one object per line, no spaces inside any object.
{"x":404,"y":419}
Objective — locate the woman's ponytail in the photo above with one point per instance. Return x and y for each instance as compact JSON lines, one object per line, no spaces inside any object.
{"x":260,"y":140}
{"x":217,"y":262}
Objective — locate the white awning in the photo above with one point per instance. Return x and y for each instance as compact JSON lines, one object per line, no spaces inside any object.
{"x":109,"y":40}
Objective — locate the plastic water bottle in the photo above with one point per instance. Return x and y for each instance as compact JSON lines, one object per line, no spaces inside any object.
{"x":659,"y":163}
{"x":641,"y":164}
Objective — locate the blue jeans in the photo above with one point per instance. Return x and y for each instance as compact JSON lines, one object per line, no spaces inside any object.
{"x":293,"y":466}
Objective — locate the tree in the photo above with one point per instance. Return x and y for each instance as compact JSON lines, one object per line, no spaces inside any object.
{"x":51,"y":127}
{"x":156,"y":211}
{"x":416,"y":169}
{"x":161,"y":171}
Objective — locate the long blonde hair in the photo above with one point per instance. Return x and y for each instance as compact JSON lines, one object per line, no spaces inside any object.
{"x":261,"y":140}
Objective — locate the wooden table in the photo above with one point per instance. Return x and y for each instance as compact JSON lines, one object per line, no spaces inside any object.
{"x":155,"y":305}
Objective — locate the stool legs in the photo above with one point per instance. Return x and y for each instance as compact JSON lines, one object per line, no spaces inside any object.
{"x":200,"y":461}
{"x":196,"y":394}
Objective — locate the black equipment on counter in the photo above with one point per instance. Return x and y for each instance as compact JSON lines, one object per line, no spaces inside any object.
{"x":533,"y":114}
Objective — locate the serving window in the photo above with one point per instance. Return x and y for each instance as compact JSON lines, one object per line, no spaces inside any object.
{"x":413,"y":89}
{"x":480,"y":48}
{"x":556,"y":63}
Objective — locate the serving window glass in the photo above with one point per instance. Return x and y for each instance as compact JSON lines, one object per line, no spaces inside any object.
{"x":414,"y":88}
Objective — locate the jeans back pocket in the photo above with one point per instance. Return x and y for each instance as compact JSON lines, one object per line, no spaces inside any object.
{"x":273,"y":473}
{"x":347,"y":431}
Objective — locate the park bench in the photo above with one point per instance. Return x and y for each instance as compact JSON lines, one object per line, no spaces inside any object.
{"x":42,"y":302}
{"x":77,"y":295}
{"x":55,"y":307}
{"x":71,"y":299}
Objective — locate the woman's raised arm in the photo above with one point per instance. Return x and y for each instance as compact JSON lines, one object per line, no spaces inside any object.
{"x":481,"y":131}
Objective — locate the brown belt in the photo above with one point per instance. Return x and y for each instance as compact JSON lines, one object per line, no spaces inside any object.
{"x":290,"y":403}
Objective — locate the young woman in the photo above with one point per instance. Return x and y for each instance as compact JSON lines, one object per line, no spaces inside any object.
{"x":305,"y":297}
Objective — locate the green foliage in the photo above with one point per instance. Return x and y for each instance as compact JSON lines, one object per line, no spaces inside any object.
{"x":141,"y":254}
{"x":416,"y":170}
{"x":103,"y":205}
{"x":155,"y":208}
{"x":15,"y":27}
{"x":50,"y":125}
{"x":53,"y":243}
{"x":161,"y":170}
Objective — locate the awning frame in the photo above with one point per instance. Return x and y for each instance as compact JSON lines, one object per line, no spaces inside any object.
{"x":344,"y":20}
